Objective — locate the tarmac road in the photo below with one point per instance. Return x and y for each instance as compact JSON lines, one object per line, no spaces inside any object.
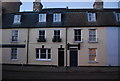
{"x":54,"y":75}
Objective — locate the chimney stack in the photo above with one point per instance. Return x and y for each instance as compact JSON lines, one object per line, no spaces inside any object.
{"x":98,"y":4}
{"x":37,"y":6}
{"x":11,"y":6}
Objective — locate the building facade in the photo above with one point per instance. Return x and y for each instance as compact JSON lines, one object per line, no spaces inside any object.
{"x":61,"y":37}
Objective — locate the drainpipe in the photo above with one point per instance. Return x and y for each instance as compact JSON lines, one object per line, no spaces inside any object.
{"x":66,"y":49}
{"x":27,"y":45}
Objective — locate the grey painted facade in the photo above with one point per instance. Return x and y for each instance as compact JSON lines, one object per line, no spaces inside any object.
{"x":112,"y":45}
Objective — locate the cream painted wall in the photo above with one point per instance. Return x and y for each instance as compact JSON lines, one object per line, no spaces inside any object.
{"x":33,"y":44}
{"x":83,"y":53}
{"x":6,"y":56}
{"x":22,"y":52}
{"x":7,"y":33}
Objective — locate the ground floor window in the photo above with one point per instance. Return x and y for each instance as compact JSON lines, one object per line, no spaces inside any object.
{"x":14,"y":53}
{"x":43,"y":53}
{"x":92,"y":54}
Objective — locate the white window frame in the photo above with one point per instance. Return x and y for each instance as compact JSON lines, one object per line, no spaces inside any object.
{"x":13,"y":53}
{"x":95,"y":35}
{"x":57,"y":17}
{"x":91,"y":17}
{"x":117,"y":17}
{"x":42,"y":17}
{"x":17,"y":19}
{"x":81,"y":35}
{"x":46,"y":59}
{"x":93,"y":54}
{"x":13,"y":31}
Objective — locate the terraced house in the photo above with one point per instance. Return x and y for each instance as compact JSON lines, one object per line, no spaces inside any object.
{"x":61,"y":36}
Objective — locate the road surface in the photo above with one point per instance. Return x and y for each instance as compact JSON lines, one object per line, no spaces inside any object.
{"x":52,"y":75}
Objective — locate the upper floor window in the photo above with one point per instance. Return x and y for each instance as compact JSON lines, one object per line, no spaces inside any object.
{"x":92,"y":35}
{"x":57,"y":17}
{"x":78,"y":35}
{"x":117,"y":17}
{"x":92,"y":54}
{"x":17,"y":19}
{"x":43,"y":53}
{"x":14,"y":36}
{"x":41,"y":37}
{"x":42,"y":17}
{"x":91,"y":17}
{"x":56,"y":37}
{"x":13,"y":53}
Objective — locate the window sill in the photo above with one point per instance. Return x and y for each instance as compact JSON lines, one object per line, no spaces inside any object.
{"x":92,"y":41}
{"x":78,"y":41}
{"x":14,"y":59}
{"x":14,"y":41}
{"x":93,"y":62}
{"x":42,"y":22}
{"x":17,"y":23}
{"x":43,"y":60}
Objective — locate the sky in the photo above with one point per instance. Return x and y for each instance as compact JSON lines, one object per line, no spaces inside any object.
{"x":28,"y":4}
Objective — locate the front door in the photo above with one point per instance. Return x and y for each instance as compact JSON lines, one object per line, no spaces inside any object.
{"x":73,"y":57}
{"x":60,"y":56}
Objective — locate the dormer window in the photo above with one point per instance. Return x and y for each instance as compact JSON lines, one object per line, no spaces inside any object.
{"x":57,"y":17}
{"x":17,"y":19}
{"x":117,"y":17}
{"x":91,"y":17}
{"x":42,"y":17}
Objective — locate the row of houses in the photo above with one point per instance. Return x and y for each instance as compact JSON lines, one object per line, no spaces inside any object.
{"x":61,"y":37}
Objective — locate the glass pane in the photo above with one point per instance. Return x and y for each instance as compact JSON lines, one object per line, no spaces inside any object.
{"x":37,"y":51}
{"x":37,"y":56}
{"x":79,"y":32}
{"x":49,"y":56}
{"x":41,"y":32}
{"x":43,"y":56}
{"x":92,"y":51}
{"x":55,"y":32}
{"x":49,"y":51}
{"x":43,"y":51}
{"x":75,"y":38}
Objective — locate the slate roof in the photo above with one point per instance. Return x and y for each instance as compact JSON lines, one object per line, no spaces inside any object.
{"x":70,"y":18}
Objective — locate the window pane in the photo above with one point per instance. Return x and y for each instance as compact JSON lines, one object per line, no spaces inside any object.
{"x":43,"y":56}
{"x":42,"y":17}
{"x":92,"y":35}
{"x":92,"y":55}
{"x":55,"y":32}
{"x":43,"y":51}
{"x":14,"y":53}
{"x":41,"y":34}
{"x":49,"y":51}
{"x":17,"y":18}
{"x":37,"y":56}
{"x":37,"y":51}
{"x":91,"y":17}
{"x":57,"y":17}
{"x":49,"y":56}
{"x":77,"y":34}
